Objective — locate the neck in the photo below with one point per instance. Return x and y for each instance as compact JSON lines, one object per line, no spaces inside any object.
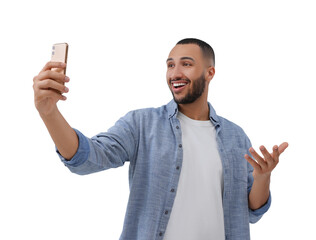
{"x":198,"y":110}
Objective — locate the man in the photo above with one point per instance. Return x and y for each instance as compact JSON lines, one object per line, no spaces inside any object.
{"x":188,"y":176}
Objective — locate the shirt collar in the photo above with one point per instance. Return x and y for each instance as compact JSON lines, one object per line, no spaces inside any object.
{"x":172,"y":108}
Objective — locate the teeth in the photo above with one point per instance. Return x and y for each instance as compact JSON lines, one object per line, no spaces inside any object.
{"x":179,"y":84}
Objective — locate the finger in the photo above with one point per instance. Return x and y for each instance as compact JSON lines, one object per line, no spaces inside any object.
{"x":50,"y":65}
{"x":59,"y":77}
{"x":259,"y":159}
{"x":267,"y":156}
{"x":275,"y":153}
{"x":282,"y":147}
{"x":50,"y":84}
{"x":252,"y":162}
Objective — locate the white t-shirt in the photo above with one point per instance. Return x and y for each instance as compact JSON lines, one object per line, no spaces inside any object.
{"x":197,"y":212}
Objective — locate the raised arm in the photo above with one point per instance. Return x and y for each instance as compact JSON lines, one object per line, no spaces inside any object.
{"x":48,"y":89}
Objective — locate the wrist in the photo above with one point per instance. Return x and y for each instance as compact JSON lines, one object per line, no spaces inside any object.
{"x":265,"y":177}
{"x":49,"y":115}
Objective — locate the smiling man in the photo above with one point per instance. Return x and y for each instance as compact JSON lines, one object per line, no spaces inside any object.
{"x":190,"y":70}
{"x":192,"y":173}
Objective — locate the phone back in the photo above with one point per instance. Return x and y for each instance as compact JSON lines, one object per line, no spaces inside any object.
{"x":59,"y":54}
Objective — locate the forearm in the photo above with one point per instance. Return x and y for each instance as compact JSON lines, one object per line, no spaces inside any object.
{"x":259,"y":193}
{"x":64,"y":137}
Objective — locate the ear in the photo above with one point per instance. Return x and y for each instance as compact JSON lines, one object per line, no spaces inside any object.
{"x":210,"y":72}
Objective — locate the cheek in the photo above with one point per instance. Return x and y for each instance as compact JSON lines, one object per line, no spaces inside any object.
{"x":195,"y":75}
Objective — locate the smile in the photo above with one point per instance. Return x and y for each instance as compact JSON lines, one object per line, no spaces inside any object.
{"x":177,"y":87}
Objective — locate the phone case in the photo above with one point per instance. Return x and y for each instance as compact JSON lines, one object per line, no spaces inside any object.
{"x":59,"y":54}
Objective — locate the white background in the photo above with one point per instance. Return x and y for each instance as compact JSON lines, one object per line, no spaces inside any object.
{"x":264,"y":82}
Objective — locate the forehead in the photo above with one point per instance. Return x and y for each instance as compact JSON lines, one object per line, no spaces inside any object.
{"x":186,"y":50}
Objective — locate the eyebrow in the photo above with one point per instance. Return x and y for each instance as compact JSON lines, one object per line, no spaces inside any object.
{"x":183,"y":58}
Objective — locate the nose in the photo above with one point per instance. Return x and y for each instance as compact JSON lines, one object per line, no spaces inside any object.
{"x":175,"y":73}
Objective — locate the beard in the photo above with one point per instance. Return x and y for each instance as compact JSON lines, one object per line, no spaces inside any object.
{"x":198,"y":87}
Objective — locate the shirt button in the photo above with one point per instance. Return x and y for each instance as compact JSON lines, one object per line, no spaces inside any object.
{"x":178,"y":167}
{"x":172,"y":190}
{"x":166,"y":212}
{"x":177,"y":127}
{"x":160,"y":234}
{"x":180,"y":145}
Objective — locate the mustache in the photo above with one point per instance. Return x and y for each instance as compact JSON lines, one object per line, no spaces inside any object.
{"x":181,"y":79}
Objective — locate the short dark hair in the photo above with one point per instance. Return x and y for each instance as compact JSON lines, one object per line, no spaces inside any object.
{"x":207,"y":50}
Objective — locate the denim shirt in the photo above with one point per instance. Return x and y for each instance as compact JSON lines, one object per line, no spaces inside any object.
{"x":150,"y":139}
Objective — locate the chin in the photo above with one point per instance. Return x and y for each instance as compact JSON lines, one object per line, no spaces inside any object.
{"x":181,"y":101}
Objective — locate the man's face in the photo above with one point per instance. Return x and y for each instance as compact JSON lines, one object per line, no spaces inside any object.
{"x":186,"y":73}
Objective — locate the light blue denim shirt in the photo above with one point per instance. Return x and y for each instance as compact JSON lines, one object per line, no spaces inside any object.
{"x":150,"y":139}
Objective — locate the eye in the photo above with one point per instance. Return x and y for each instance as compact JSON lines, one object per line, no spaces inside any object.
{"x":186,"y":64}
{"x":170,"y":65}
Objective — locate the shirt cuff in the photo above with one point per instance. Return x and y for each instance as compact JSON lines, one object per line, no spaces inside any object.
{"x":82,"y":153}
{"x":260,"y":211}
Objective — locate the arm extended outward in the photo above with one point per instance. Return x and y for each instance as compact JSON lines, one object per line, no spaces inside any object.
{"x":48,"y":89}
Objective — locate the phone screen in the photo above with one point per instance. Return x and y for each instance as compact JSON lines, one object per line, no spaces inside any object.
{"x":59,"y":54}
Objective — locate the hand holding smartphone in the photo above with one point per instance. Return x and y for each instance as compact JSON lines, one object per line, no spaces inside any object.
{"x":59,"y":54}
{"x":49,"y":88}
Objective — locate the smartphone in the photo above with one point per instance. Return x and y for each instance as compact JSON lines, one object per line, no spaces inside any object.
{"x":59,"y":54}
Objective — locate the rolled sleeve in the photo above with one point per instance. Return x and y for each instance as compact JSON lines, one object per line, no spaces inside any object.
{"x":255,"y":215}
{"x":105,"y":150}
{"x":82,"y":153}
